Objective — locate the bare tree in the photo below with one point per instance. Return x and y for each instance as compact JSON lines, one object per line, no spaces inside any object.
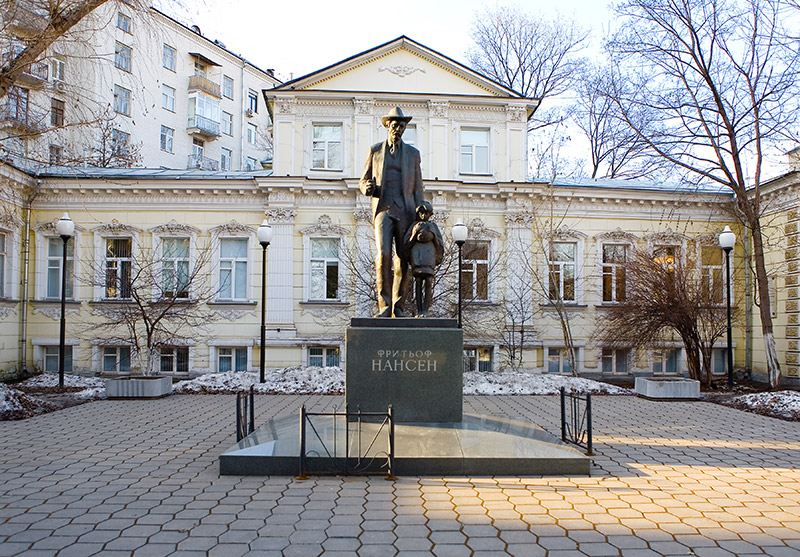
{"x":662,"y":294}
{"x":533,"y":55}
{"x":155,"y":302}
{"x":720,"y":79}
{"x":112,"y":147}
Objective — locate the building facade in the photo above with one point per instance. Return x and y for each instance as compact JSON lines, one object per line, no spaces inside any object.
{"x":134,"y":88}
{"x":529,"y":243}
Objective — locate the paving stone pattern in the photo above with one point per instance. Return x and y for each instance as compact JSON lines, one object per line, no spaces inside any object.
{"x":122,"y":478}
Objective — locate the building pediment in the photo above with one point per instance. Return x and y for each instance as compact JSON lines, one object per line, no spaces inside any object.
{"x":401,"y":65}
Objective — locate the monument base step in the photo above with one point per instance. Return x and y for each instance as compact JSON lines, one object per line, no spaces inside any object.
{"x":479,"y":445}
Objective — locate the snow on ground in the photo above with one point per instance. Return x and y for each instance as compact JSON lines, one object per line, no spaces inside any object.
{"x":50,"y":381}
{"x":519,"y":383}
{"x":779,"y":404}
{"x":297,"y":380}
{"x":16,"y":405}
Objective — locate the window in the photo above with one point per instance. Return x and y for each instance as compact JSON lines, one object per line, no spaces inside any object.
{"x":175,"y":359}
{"x":122,"y":57}
{"x":475,"y":270}
{"x":252,"y":100}
{"x":233,"y":269}
{"x":478,"y":359}
{"x":51,"y":358}
{"x":327,"y":147}
{"x":562,"y":271}
{"x":168,"y":56}
{"x":227,"y":123}
{"x":55,"y":256}
{"x":57,"y":70}
{"x":168,"y":98}
{"x":252,"y":133}
{"x":666,"y":256}
{"x":474,"y":151}
{"x":2,"y":264}
{"x":198,"y":148}
{"x":665,"y":362}
{"x":175,"y":267}
{"x":204,"y":112}
{"x":614,"y":256}
{"x":251,"y":163}
{"x":119,"y":142}
{"x":319,"y":356}
{"x":558,"y":361}
{"x":324,"y":274}
{"x":225,"y":159}
{"x":410,"y":135}
{"x":199,"y":68}
{"x":123,"y":22}
{"x":711,"y":273}
{"x":227,"y":87}
{"x":119,"y":262}
{"x":615,"y":360}
{"x":167,"y":136}
{"x":56,"y":112}
{"x":116,"y":359}
{"x":122,"y":100}
{"x":17,"y":104}
{"x":56,"y":155}
{"x":719,"y":360}
{"x":232,"y":359}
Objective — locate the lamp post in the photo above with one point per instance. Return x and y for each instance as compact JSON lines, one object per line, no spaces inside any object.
{"x":264,"y":234}
{"x":65,"y":228}
{"x":459,"y":237}
{"x":727,"y":240}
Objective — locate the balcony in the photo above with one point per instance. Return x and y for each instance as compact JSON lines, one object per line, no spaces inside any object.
{"x":26,"y":19}
{"x":27,"y":122}
{"x":200,"y":83}
{"x":202,"y":163}
{"x":35,"y":75}
{"x":200,"y":125}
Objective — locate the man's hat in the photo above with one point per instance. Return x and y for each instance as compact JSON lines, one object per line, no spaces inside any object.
{"x":395,"y":114}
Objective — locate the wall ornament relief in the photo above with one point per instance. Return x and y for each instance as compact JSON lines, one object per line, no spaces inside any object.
{"x":400,"y":71}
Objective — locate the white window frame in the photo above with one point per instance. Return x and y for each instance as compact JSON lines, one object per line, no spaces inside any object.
{"x":174,"y":358}
{"x":158,"y":243}
{"x":10,"y":269}
{"x":707,"y":272}
{"x":659,"y":354}
{"x":252,"y":101}
{"x":562,"y":265}
{"x":474,"y":151}
{"x":225,"y":155}
{"x":615,"y":268}
{"x":123,"y":57}
{"x":327,"y":145}
{"x":43,"y":234}
{"x":226,"y":123}
{"x":217,"y":245}
{"x":40,"y":346}
{"x":475,"y":262}
{"x":122,"y":100}
{"x":307,"y":264}
{"x":101,"y":234}
{"x":167,"y":139}
{"x":563,"y":361}
{"x":215,"y":345}
{"x":473,"y":361}
{"x":124,"y":22}
{"x":227,"y":87}
{"x":251,"y":164}
{"x":57,"y":69}
{"x":169,"y":57}
{"x":327,"y":351}
{"x":101,"y":354}
{"x":252,"y":134}
{"x":613,"y":358}
{"x":167,"y":97}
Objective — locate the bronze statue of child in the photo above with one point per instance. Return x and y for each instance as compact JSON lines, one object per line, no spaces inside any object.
{"x":424,"y":250}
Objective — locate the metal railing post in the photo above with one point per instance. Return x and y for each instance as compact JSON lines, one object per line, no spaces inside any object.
{"x":252,"y":410}
{"x":391,"y":475}
{"x":563,"y":415}
{"x":589,"y":424}
{"x":238,"y":417}
{"x":302,"y":475}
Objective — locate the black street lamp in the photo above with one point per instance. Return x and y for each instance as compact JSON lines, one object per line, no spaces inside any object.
{"x":459,"y":237}
{"x":264,"y":234}
{"x":727,"y":240}
{"x":65,"y":228}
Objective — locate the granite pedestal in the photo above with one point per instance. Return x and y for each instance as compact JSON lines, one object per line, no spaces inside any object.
{"x":413,"y":364}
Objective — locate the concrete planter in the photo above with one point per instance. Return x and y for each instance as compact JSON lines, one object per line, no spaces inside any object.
{"x":667,"y":388}
{"x":138,"y":387}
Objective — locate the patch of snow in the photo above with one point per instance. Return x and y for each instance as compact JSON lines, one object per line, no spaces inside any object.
{"x":50,"y":380}
{"x":297,"y":380}
{"x":16,"y":405}
{"x":520,"y":383}
{"x":780,"y":404}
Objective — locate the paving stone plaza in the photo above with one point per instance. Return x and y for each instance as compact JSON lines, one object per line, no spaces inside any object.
{"x":141,"y":478}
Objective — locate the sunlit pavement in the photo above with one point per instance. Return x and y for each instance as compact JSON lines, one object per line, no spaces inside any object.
{"x":141,"y":478}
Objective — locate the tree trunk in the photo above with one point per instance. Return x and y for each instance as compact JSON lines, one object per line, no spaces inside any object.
{"x":765,"y":310}
{"x":692,"y":347}
{"x":705,"y":354}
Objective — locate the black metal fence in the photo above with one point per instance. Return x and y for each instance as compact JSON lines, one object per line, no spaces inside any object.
{"x":245,"y":414}
{"x":353,"y":454}
{"x":576,"y":420}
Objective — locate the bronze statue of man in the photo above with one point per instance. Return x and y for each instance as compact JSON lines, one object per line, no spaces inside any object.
{"x":393,"y":179}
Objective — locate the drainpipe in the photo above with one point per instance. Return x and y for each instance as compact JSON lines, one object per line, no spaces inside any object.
{"x":748,"y":305}
{"x":26,"y":260}
{"x":242,"y":119}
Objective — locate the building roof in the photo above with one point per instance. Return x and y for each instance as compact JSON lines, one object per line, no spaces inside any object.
{"x":636,"y":185}
{"x":147,"y":173}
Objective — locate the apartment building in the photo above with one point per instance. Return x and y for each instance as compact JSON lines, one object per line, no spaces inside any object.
{"x":132,"y":88}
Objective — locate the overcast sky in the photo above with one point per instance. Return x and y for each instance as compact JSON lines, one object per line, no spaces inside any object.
{"x":297,"y":37}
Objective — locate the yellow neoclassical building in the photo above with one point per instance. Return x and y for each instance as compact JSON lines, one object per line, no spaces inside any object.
{"x":193,"y":235}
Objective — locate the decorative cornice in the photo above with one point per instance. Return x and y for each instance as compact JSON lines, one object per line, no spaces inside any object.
{"x":5,"y":311}
{"x":478,"y":231}
{"x":232,"y":227}
{"x":364,"y":107}
{"x":325,"y":227}
{"x":516,"y":113}
{"x":565,"y":233}
{"x":233,"y":314}
{"x":400,"y":71}
{"x":281,"y":215}
{"x":362,"y":215}
{"x":174,"y":227}
{"x":707,"y":239}
{"x":617,"y":235}
{"x":285,"y":105}
{"x":438,"y":109}
{"x":324,"y":311}
{"x":9,"y":221}
{"x":440,"y":216}
{"x":667,"y":236}
{"x":116,"y":227}
{"x":53,"y":313}
{"x":524,"y":218}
